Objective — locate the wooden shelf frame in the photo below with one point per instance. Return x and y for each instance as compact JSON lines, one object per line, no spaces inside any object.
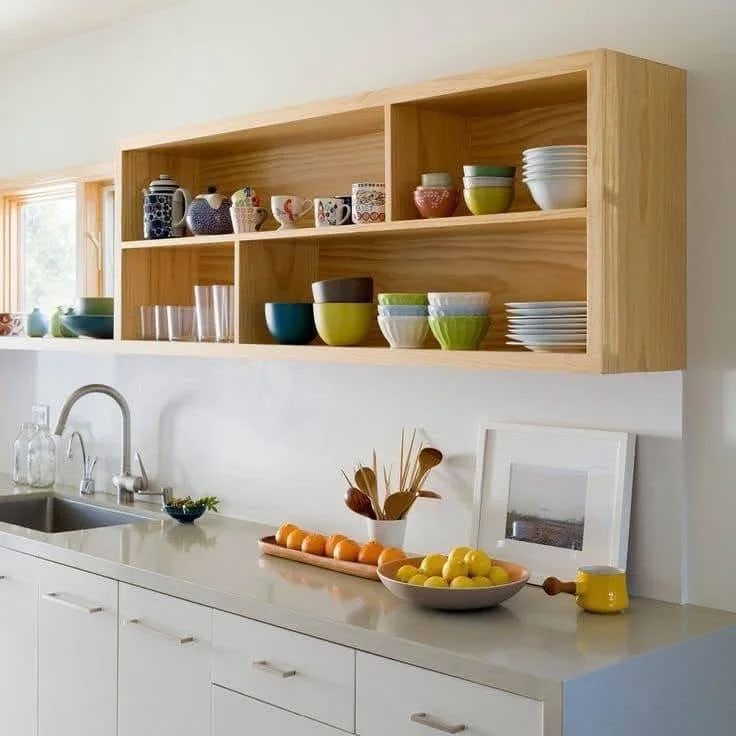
{"x":624,"y":253}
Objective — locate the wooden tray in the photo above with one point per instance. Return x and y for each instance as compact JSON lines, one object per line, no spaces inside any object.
{"x":268,"y":546}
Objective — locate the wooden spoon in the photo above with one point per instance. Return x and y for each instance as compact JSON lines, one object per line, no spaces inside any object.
{"x":429,"y":458}
{"x":365,"y":479}
{"x":358,"y":502}
{"x":397,"y":504}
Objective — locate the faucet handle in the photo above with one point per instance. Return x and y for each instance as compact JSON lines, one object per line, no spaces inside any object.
{"x":144,"y":475}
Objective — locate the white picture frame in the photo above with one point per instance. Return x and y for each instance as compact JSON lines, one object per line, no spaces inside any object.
{"x":568,"y":488}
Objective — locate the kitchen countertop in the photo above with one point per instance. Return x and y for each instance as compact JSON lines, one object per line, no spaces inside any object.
{"x":530,"y":645}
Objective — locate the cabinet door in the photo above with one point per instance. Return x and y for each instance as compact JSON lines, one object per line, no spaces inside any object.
{"x":77,"y":652}
{"x":235,"y":715}
{"x":18,"y":650}
{"x":165,"y":664}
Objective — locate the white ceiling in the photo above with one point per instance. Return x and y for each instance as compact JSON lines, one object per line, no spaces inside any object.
{"x":28,"y":24}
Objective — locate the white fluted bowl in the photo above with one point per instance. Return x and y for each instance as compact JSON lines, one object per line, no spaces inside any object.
{"x":404,"y":332}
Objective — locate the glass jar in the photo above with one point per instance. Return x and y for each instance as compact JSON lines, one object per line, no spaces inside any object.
{"x":41,"y":451}
{"x":20,"y":453}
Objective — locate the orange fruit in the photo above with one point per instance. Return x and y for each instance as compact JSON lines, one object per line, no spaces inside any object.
{"x":283,"y":533}
{"x":391,"y":554}
{"x":314,"y":544}
{"x":346,"y":550}
{"x":332,"y":543}
{"x":370,"y":552}
{"x":295,"y":538}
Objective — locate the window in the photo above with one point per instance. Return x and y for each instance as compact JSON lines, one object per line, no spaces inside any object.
{"x":57,"y":242}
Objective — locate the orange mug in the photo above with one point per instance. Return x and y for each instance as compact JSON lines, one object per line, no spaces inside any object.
{"x":598,"y":589}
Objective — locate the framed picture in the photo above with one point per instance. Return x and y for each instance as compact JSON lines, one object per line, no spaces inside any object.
{"x":554,"y":499}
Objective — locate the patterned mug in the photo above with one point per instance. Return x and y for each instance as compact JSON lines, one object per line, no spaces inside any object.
{"x":288,"y":209}
{"x":330,"y":211}
{"x":369,"y":203}
{"x":248,"y":219}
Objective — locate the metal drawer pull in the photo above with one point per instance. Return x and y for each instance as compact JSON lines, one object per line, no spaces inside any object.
{"x":426,"y":720}
{"x":160,"y":632}
{"x":70,"y":603}
{"x":270,"y":669}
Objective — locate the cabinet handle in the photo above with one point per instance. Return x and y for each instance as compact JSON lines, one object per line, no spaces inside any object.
{"x":270,"y":669}
{"x":159,"y":632}
{"x":70,"y":603}
{"x":427,"y":720}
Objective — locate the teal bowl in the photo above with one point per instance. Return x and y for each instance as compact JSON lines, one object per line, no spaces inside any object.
{"x":99,"y":327}
{"x":459,"y":333}
{"x":291,"y":323}
{"x":95,"y":306}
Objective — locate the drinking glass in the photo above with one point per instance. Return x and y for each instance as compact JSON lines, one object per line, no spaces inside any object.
{"x":148,"y":323}
{"x":203,"y":302}
{"x":181,"y":323}
{"x":224,"y":298}
{"x":161,"y":321}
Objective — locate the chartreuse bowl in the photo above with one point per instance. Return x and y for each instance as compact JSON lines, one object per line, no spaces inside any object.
{"x":488,"y":200}
{"x":459,"y":333}
{"x":343,"y":324}
{"x":399,"y":298}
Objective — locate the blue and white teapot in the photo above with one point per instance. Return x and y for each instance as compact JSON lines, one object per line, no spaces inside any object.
{"x":165,"y":205}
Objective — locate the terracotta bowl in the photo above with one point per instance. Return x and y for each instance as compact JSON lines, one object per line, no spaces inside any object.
{"x":436,"y":201}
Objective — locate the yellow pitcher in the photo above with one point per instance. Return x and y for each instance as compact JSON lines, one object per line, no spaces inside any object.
{"x":598,"y":589}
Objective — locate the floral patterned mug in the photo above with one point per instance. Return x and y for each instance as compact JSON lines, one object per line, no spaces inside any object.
{"x":288,"y":209}
{"x":369,"y":202}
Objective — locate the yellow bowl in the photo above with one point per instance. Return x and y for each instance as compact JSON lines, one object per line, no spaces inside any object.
{"x":343,"y":323}
{"x":488,"y":200}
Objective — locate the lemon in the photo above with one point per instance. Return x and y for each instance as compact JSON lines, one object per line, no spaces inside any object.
{"x":478,"y":562}
{"x":481,"y":582}
{"x":417,"y":579}
{"x":435,"y":582}
{"x":458,"y":553}
{"x":432,"y":565}
{"x":406,"y":572}
{"x":454,"y":569}
{"x":462,"y":581}
{"x":498,"y":576}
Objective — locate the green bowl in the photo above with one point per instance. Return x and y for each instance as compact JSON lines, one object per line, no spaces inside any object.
{"x":488,"y":200}
{"x":343,"y":323}
{"x":489,"y":171}
{"x":394,"y":299}
{"x":95,"y":306}
{"x":459,"y":333}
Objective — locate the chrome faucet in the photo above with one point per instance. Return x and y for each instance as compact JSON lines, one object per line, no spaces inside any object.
{"x":126,"y":484}
{"x":87,"y":484}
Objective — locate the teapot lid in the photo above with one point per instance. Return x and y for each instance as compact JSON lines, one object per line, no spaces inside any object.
{"x":163,"y":181}
{"x":213,"y":198}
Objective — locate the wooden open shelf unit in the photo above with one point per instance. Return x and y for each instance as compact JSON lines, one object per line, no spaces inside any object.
{"x":624,"y":253}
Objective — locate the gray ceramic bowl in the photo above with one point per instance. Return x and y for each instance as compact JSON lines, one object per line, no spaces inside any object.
{"x":350,"y":289}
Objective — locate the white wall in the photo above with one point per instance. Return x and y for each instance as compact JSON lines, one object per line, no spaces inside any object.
{"x":275,"y":433}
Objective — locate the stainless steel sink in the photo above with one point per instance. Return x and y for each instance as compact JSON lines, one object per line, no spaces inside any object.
{"x":54,"y":514}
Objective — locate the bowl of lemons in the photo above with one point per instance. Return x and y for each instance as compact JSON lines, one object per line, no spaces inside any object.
{"x":463,"y":580}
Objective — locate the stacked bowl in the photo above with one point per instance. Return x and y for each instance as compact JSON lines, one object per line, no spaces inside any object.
{"x":93,"y":317}
{"x":459,"y":320}
{"x":403,"y":319}
{"x":557,"y":176}
{"x":343,"y":309}
{"x":488,"y":189}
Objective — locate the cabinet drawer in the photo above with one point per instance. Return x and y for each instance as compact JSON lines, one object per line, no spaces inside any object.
{"x":401,"y":700}
{"x":234,"y":715}
{"x":304,"y":675}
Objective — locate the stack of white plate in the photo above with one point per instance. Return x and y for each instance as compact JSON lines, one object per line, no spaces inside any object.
{"x":547,"y":326}
{"x":557,"y":176}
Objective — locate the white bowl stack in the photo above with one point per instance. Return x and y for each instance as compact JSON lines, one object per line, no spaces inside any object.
{"x":548,"y":327}
{"x":557,"y":176}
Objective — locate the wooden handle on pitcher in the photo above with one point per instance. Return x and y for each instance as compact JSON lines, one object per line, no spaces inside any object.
{"x":553,"y":586}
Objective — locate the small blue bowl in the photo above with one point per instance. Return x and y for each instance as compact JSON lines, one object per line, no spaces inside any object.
{"x":460,"y":311}
{"x":291,"y":323}
{"x":182,"y":516}
{"x":402,"y":310}
{"x":98,"y":326}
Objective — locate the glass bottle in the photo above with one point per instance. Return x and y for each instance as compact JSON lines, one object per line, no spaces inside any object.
{"x":41,"y":451}
{"x":20,"y":453}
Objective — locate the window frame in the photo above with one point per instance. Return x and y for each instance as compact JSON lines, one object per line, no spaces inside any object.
{"x":89,"y":185}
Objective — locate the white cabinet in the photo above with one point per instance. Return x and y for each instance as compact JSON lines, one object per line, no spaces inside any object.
{"x":236,"y":715}
{"x":401,"y":700}
{"x":164,"y":665}
{"x":77,"y":652}
{"x":18,"y":643}
{"x":298,"y":673}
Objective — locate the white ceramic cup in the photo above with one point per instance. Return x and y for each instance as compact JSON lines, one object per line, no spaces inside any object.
{"x":329,"y":212}
{"x":388,"y":533}
{"x":288,"y":209}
